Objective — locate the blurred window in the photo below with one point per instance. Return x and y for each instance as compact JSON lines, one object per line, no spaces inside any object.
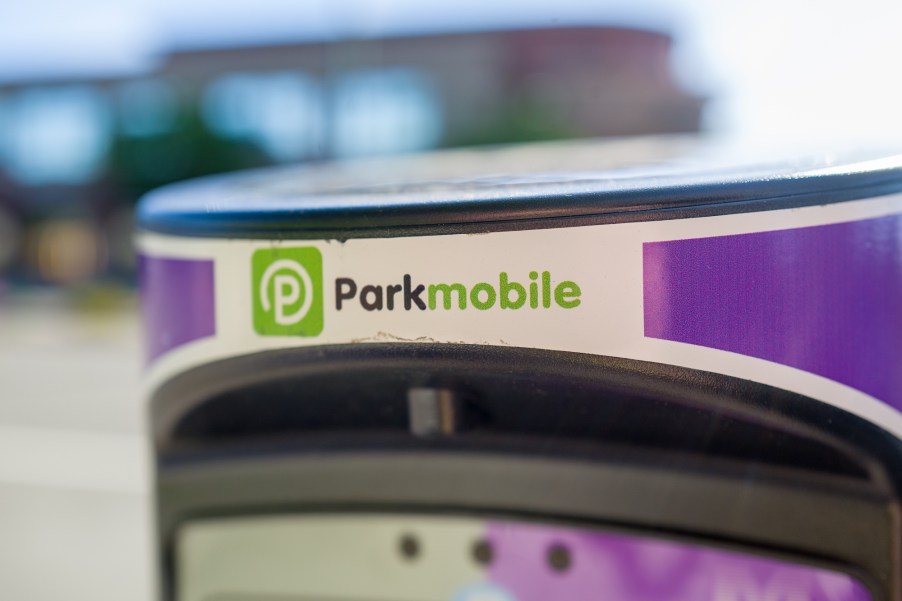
{"x":147,"y":108}
{"x":384,"y":111}
{"x":56,"y":135}
{"x":281,"y":112}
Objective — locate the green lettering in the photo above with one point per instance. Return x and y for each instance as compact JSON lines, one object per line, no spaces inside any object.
{"x":567,"y":294}
{"x":505,"y":290}
{"x":489,"y":302}
{"x":446,"y":290}
{"x":546,"y":289}
{"x":534,"y":290}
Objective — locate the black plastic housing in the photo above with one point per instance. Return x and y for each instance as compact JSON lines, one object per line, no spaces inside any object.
{"x":544,"y":435}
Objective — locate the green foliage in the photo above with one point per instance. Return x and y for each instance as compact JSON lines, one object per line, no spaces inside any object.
{"x":190,"y":149}
{"x":517,"y":122}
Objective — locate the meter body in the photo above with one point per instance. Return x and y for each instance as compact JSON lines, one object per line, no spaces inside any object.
{"x":639,"y":369}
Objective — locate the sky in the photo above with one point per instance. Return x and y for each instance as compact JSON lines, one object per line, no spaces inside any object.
{"x":773,"y":68}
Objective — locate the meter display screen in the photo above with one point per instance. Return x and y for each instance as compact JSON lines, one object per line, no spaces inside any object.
{"x":387,"y":557}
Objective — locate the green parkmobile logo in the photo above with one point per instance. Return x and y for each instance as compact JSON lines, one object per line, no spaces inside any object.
{"x":288,"y":291}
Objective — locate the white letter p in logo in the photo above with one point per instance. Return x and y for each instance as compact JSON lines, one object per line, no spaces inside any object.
{"x":287,"y":289}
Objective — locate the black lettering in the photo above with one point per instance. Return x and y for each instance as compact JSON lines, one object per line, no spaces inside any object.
{"x":345,"y":289}
{"x":413,"y":296}
{"x":376,"y":293}
{"x":391,"y":290}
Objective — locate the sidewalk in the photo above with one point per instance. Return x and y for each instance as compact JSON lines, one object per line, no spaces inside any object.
{"x":74,"y":465}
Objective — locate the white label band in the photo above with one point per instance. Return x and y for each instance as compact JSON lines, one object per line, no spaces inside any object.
{"x":807,"y":299}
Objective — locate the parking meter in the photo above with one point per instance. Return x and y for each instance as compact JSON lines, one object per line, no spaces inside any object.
{"x":633,"y":370}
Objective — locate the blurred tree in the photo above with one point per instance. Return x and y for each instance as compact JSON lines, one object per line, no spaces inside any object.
{"x":138,"y":164}
{"x":519,"y":121}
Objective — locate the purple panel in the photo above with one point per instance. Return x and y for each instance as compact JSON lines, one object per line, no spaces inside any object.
{"x":824,"y":299}
{"x":626,"y":568}
{"x":177,"y":302}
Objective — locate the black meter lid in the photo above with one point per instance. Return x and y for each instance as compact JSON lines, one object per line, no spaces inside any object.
{"x":494,"y":188}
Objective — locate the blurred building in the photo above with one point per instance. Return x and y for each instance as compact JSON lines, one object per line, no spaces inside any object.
{"x":77,"y":154}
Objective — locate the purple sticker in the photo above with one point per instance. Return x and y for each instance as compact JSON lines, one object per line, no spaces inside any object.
{"x":824,"y":299}
{"x":539,"y":563}
{"x":177,"y":302}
